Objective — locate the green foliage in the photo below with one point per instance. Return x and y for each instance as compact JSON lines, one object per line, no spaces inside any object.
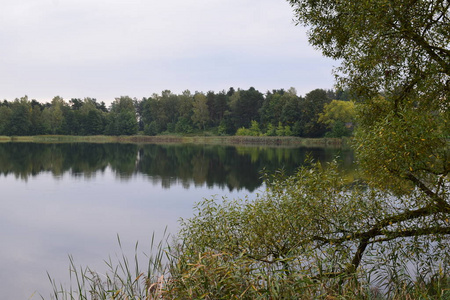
{"x":271,"y":110}
{"x":398,"y":50}
{"x":254,"y":128}
{"x":200,"y":115}
{"x":338,"y":111}
{"x":395,"y":60}
{"x":122,"y":118}
{"x":339,"y":116}
{"x":405,"y":147}
{"x":311,"y":108}
{"x":283,"y":130}
{"x":252,"y":131}
{"x":151,"y":129}
{"x":243,"y":132}
{"x":338,"y":130}
{"x":20,"y":118}
{"x":287,"y":130}
{"x":54,"y":115}
{"x":245,"y":106}
{"x":311,"y":228}
{"x":126,"y":123}
{"x":123,"y":103}
{"x":222,"y":129}
{"x":5,"y":116}
{"x":183,"y":126}
{"x":391,"y":46}
{"x":297,"y":129}
{"x":221,"y":113}
{"x":219,"y":107}
{"x":37,"y":121}
{"x":280,"y":129}
{"x":291,"y":109}
{"x":271,"y":131}
{"x":94,"y":123}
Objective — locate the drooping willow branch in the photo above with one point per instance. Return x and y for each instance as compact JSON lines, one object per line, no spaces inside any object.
{"x":379,"y":230}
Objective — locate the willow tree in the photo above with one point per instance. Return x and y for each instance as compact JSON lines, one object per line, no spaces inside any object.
{"x":395,"y":58}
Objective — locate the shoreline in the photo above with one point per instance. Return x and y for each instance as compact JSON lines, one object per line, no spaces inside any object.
{"x":272,"y":141}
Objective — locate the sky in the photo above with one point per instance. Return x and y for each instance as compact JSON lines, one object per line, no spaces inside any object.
{"x":105,"y":49}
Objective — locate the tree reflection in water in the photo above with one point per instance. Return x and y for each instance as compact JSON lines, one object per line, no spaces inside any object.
{"x":211,"y":165}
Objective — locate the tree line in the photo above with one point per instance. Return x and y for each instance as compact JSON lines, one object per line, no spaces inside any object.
{"x":242,"y":112}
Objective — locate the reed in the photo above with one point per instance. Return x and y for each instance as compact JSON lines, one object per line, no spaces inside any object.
{"x":123,"y":278}
{"x":170,"y":139}
{"x":172,"y":273}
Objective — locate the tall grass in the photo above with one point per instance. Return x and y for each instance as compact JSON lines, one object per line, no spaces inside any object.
{"x":123,"y":279}
{"x":171,"y":273}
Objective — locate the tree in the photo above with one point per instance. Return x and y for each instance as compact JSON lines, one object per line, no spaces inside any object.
{"x":184,"y":123}
{"x":210,"y":99}
{"x":339,"y":117}
{"x":54,"y":115}
{"x":76,"y":103}
{"x":291,"y":108}
{"x":200,"y":114}
{"x":185,"y":104}
{"x":310,"y":108}
{"x":220,"y":106}
{"x":398,"y":47}
{"x":123,"y":103}
{"x":5,"y":116}
{"x":337,"y":110}
{"x":246,"y":107}
{"x":280,"y":129}
{"x":252,"y":131}
{"x":272,"y":107}
{"x":20,"y":120}
{"x":396,"y":59}
{"x":271,"y":130}
{"x":126,"y":123}
{"x":169,"y":105}
{"x":37,"y":119}
{"x":148,"y":114}
{"x":95,"y":123}
{"x":92,"y":116}
{"x":156,"y":113}
{"x":74,"y":121}
{"x":122,"y":118}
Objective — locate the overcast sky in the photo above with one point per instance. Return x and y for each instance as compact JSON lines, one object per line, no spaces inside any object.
{"x":104,"y":49}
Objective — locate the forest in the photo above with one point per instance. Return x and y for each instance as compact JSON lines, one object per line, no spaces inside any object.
{"x":234,"y":112}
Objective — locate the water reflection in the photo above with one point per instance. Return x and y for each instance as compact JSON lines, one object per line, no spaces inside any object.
{"x":223,"y":166}
{"x":61,"y":199}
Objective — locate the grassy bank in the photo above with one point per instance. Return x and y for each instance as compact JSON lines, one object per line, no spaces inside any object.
{"x":209,"y":140}
{"x":58,"y":139}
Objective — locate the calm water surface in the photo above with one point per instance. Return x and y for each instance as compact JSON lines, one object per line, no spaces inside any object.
{"x":75,"y":199}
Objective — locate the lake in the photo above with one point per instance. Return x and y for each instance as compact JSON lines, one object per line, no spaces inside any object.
{"x":76,"y":199}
